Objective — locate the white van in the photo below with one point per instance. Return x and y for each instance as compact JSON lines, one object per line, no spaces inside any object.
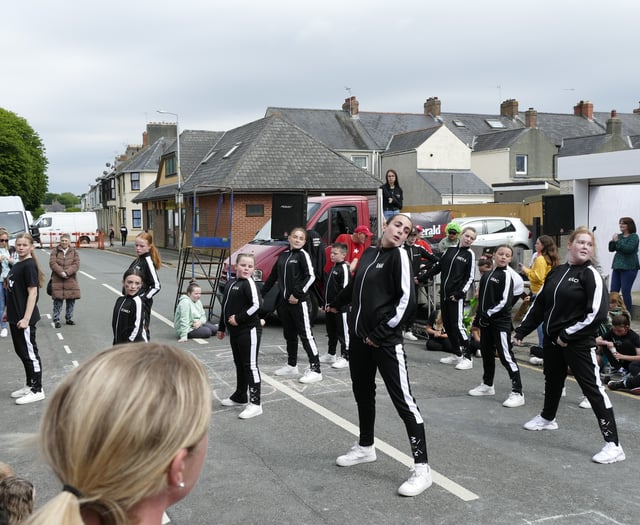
{"x":81,"y":226}
{"x":13,"y":217}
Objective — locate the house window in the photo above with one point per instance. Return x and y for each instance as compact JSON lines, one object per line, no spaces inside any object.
{"x":521,"y":164}
{"x":136,"y":218}
{"x":135,"y":181}
{"x":362,"y":161}
{"x":170,"y":166}
{"x":494,"y":123}
{"x":112,"y":189}
{"x":255,"y":210}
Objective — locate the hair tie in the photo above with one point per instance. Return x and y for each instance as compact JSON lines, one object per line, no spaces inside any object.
{"x":73,"y":490}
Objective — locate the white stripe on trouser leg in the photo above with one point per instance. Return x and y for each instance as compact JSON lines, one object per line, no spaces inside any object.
{"x":345,"y":329}
{"x":504,"y":350}
{"x":404,"y":384}
{"x":253,"y":354}
{"x":461,"y":328}
{"x":30,"y":351}
{"x":596,"y":374}
{"x":307,"y":327}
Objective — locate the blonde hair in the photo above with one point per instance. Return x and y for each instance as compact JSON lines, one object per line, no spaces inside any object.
{"x":5,"y":471}
{"x":114,"y":445}
{"x":33,"y":256}
{"x":17,"y":497}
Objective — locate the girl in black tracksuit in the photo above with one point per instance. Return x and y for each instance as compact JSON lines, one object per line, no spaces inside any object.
{"x":495,"y":299}
{"x":457,"y":267}
{"x":147,"y":263}
{"x":128,"y":313}
{"x":571,"y":304}
{"x":294,"y":274}
{"x":337,"y":279}
{"x":381,"y":296}
{"x":239,"y":316}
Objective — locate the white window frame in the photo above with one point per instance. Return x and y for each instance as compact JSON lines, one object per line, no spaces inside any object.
{"x":526,"y":162}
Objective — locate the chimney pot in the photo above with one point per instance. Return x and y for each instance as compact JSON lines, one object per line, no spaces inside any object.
{"x":432,"y":107}
{"x":584,"y":109}
{"x":509,"y":108}
{"x":531,"y":118}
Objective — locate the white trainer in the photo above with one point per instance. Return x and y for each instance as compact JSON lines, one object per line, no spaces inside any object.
{"x":4,"y":332}
{"x":537,"y":361}
{"x":464,"y":364}
{"x":251,"y":411}
{"x":584,"y":403}
{"x":419,"y":481}
{"x":408,"y":335}
{"x":357,"y":455}
{"x":228,"y":402}
{"x":482,"y":390}
{"x":514,"y":400}
{"x":341,"y":362}
{"x":451,"y":360}
{"x":31,"y":397}
{"x":540,"y":423}
{"x":287,"y":370}
{"x":328,"y":358}
{"x":310,"y":376}
{"x":21,"y":392}
{"x":610,"y":453}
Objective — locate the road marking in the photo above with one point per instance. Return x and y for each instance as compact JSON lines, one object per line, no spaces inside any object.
{"x":60,"y":336}
{"x":438,"y":479}
{"x":67,"y":349}
{"x":87,"y":275}
{"x":75,"y":363}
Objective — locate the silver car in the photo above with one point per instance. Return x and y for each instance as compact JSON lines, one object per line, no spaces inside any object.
{"x":494,"y":231}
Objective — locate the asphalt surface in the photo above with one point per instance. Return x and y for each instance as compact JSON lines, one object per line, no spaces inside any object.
{"x":280,"y":467}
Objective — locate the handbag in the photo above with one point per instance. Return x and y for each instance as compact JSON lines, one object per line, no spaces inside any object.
{"x":49,"y":286}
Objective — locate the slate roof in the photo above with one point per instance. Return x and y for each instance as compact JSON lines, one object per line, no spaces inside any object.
{"x":635,"y":141}
{"x":194,"y":145}
{"x":584,"y":145}
{"x":411,"y":140}
{"x":465,"y":182}
{"x":271,"y":154}
{"x":498,"y":139}
{"x":148,"y":159}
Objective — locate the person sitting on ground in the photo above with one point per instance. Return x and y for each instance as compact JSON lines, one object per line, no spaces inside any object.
{"x":438,"y":340}
{"x":124,"y":455}
{"x":190,"y":319}
{"x":17,"y":497}
{"x":621,"y":346}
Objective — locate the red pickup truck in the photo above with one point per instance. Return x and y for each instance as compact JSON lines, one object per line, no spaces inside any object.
{"x":329,"y":216}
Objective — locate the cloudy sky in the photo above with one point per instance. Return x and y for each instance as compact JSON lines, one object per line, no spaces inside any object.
{"x":88,"y":75}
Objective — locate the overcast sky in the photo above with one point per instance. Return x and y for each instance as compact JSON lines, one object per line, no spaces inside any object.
{"x":88,"y":75}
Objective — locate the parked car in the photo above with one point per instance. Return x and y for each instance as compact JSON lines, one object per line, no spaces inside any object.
{"x":494,"y":231}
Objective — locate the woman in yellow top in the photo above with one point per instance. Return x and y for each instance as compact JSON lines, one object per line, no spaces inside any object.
{"x":545,"y":258}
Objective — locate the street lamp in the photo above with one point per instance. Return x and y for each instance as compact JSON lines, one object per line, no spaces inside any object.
{"x":179,"y":196}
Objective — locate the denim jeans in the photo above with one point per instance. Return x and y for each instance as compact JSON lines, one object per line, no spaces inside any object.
{"x":57,"y":307}
{"x":622,"y":281}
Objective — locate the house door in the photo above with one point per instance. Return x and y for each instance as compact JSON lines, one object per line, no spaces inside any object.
{"x":170,"y":233}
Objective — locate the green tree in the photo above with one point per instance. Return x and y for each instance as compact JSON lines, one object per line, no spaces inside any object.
{"x":23,"y":163}
{"x":68,"y":199}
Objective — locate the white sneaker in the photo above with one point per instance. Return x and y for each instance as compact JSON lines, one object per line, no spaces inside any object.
{"x":419,"y":481}
{"x":537,"y":361}
{"x":564,"y":391}
{"x":610,"y":453}
{"x":251,"y":411}
{"x":31,"y":397}
{"x":409,"y":336}
{"x":478,"y":353}
{"x":482,"y":390}
{"x":357,"y":455}
{"x":540,"y":423}
{"x":341,"y":362}
{"x":287,"y":370}
{"x":584,"y":403}
{"x":464,"y":364}
{"x":451,"y":360}
{"x":514,"y":400}
{"x":228,"y":402}
{"x":310,"y":376}
{"x":328,"y":358}
{"x":4,"y":332}
{"x":21,"y":392}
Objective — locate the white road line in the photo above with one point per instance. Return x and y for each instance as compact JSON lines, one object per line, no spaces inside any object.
{"x":75,"y":363}
{"x":87,"y":275}
{"x":60,"y":336}
{"x":438,"y":479}
{"x":67,"y":349}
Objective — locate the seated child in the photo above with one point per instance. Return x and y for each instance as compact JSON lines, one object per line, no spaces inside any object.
{"x":621,"y":346}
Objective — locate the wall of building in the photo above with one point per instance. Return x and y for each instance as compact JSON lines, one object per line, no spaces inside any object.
{"x":491,"y":166}
{"x":443,"y":150}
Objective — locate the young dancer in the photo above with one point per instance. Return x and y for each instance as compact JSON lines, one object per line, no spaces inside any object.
{"x":239,"y":315}
{"x":572,"y":303}
{"x":148,"y":263}
{"x":23,"y":281}
{"x":457,"y":266}
{"x":336,"y":280}
{"x":495,"y":299}
{"x":381,"y":294}
{"x":293,"y":272}
{"x":190,"y":319}
{"x":128,"y":313}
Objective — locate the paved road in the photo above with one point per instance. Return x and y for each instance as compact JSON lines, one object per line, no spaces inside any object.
{"x":280,"y":467}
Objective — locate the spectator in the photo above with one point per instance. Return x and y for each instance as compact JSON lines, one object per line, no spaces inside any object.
{"x":112,"y":234}
{"x":5,"y":261}
{"x":190,"y":320}
{"x":453,"y":230}
{"x":123,"y":234}
{"x":17,"y":497}
{"x":126,"y":433}
{"x":357,"y":242}
{"x":391,"y":195}
{"x":64,"y":262}
{"x":625,"y":261}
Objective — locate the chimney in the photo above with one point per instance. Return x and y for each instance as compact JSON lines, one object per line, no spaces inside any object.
{"x":145,"y":139}
{"x":509,"y":108}
{"x":531,"y":118}
{"x":432,"y":107}
{"x":584,"y":108}
{"x":351,"y":105}
{"x":614,"y":124}
{"x":637,"y":111}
